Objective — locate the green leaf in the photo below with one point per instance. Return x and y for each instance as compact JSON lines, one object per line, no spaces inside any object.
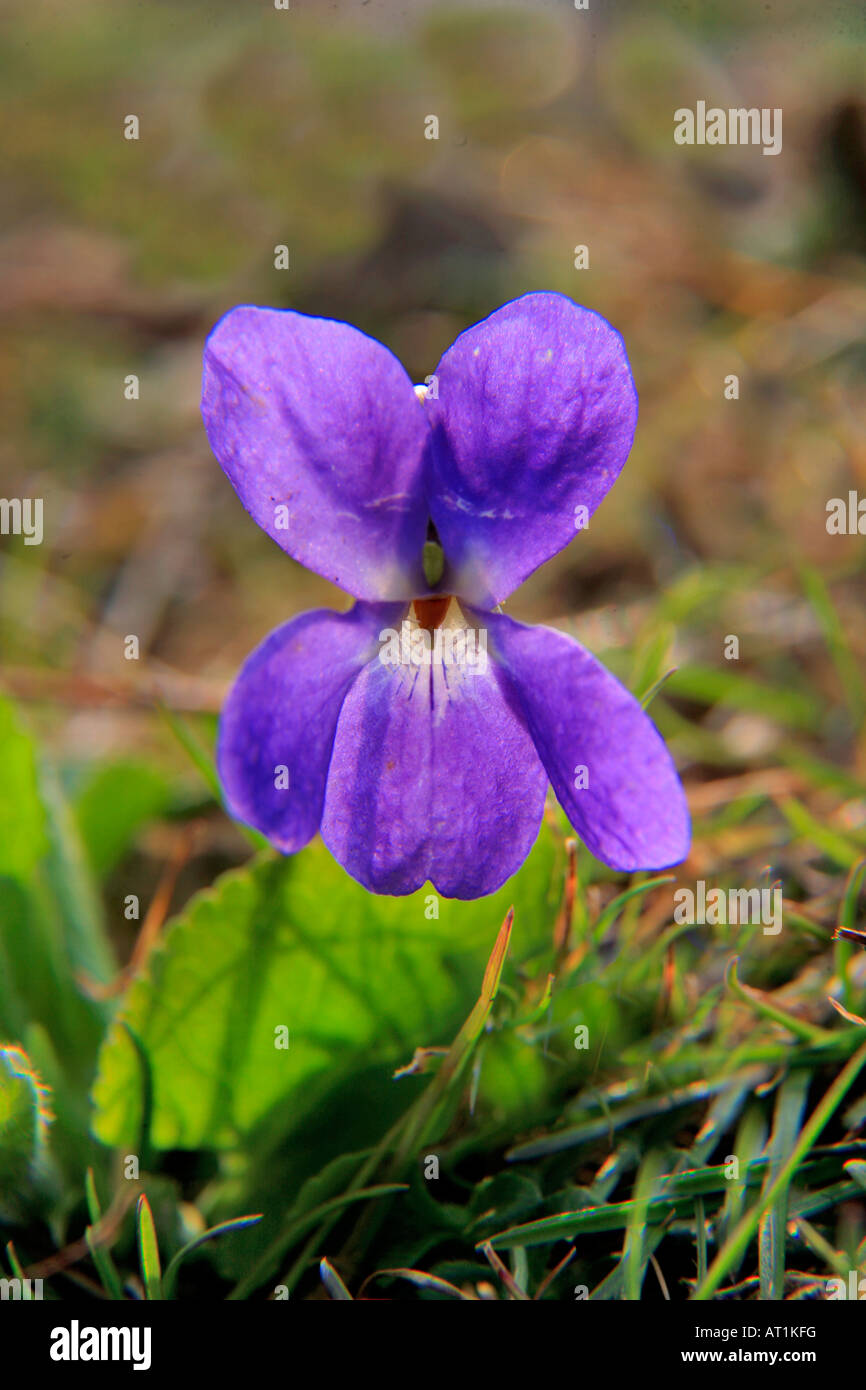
{"x":295,"y":944}
{"x":51,"y":926}
{"x":24,"y":1118}
{"x":711,"y":686}
{"x":429,"y":1282}
{"x":611,"y":1120}
{"x":675,"y":1195}
{"x":70,"y":882}
{"x":636,"y":1252}
{"x":651,"y":659}
{"x":23,"y":837}
{"x":748,"y":1144}
{"x":837,"y":847}
{"x":421,"y":1121}
{"x":333,"y":1283}
{"x":115,"y":802}
{"x":148,"y":1251}
{"x":857,"y":1168}
{"x":838,"y":642}
{"x":738,"y":1240}
{"x":101,"y":1257}
{"x":192,"y":745}
{"x":294,"y":1229}
{"x":790,"y":1104}
{"x":238,"y":1223}
{"x":17,"y":1268}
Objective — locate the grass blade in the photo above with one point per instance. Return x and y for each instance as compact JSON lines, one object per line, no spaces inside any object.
{"x":772,"y":1228}
{"x":238,"y":1223}
{"x":105,"y":1266}
{"x":739,"y":1239}
{"x":333,"y":1283}
{"x":148,"y":1251}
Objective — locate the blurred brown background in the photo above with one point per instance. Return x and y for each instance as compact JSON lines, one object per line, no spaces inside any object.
{"x":306,"y":127}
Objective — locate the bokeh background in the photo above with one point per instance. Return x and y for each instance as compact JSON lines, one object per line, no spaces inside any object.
{"x":306,"y":128}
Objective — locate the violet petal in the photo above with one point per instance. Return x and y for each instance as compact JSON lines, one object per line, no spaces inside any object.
{"x":432,"y":777}
{"x":632,"y":814}
{"x":533,"y":418}
{"x":322,"y":436}
{"x":281,"y":713}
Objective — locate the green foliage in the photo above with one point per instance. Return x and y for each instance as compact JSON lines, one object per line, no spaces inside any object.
{"x":24,"y":1117}
{"x":116,"y":801}
{"x":537,"y":1139}
{"x":148,"y":1251}
{"x":22,"y":816}
{"x":51,"y":921}
{"x":295,"y":945}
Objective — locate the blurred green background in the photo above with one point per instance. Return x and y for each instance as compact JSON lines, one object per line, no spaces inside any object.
{"x":306,"y":128}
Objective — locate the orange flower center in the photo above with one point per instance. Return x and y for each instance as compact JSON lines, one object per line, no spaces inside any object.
{"x":430,"y":612}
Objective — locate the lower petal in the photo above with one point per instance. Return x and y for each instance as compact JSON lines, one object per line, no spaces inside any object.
{"x":606,"y":760}
{"x":277,"y":725}
{"x":433,"y":777}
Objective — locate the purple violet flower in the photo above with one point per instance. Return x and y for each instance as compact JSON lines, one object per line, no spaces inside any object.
{"x":418,"y":730}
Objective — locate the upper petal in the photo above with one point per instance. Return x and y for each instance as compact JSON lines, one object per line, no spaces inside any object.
{"x":323,"y":438}
{"x":433,"y":776}
{"x":632,"y":812}
{"x":277,"y":724}
{"x":534,"y":415}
